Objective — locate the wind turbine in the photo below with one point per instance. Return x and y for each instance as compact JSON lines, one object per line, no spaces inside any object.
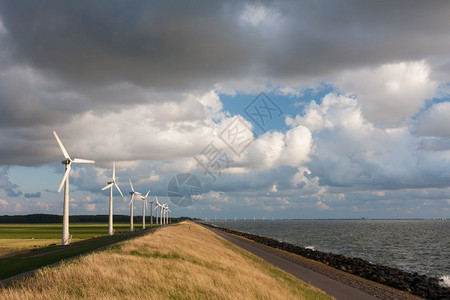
{"x":131,"y":204}
{"x":144,"y":205}
{"x":151,"y":213}
{"x":169,"y":221}
{"x":65,"y":181}
{"x":157,"y":205}
{"x":165,"y":213}
{"x":110,"y":186}
{"x":161,"y":214}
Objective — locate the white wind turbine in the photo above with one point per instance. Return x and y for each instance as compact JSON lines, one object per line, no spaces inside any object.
{"x":161,"y":214}
{"x":110,"y":186}
{"x":157,"y":205}
{"x":65,"y":181}
{"x":164,"y":209}
{"x":144,"y":205}
{"x":151,"y":213}
{"x":168,"y":218}
{"x":131,"y":204}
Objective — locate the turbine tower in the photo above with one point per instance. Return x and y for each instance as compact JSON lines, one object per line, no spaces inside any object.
{"x":151,"y":213}
{"x":165,"y":213}
{"x":161,"y":214}
{"x":157,"y":205}
{"x":144,"y":205}
{"x":131,"y":204}
{"x":110,"y":186}
{"x":169,"y":221}
{"x":65,"y":181}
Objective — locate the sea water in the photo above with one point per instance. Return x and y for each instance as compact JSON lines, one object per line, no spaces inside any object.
{"x":421,"y":246}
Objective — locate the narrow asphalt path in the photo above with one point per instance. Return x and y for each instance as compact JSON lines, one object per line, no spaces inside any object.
{"x":326,"y":284}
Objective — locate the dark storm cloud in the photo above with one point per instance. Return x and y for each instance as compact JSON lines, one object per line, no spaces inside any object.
{"x":180,"y":44}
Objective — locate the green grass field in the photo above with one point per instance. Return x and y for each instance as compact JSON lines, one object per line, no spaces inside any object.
{"x":79,"y":231}
{"x":85,"y":237}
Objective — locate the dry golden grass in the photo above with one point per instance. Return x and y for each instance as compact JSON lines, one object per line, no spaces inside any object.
{"x":184,"y":261}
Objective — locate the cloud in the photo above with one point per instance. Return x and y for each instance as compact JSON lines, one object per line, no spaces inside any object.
{"x":6,"y":184}
{"x":33,"y":195}
{"x":214,"y":208}
{"x":43,"y":206}
{"x":274,"y":188}
{"x":18,"y":208}
{"x":391,"y":93}
{"x":322,"y":206}
{"x":199,"y":45}
{"x":434,"y":121}
{"x":3,"y":202}
{"x":145,"y":132}
{"x":90,"y":207}
{"x":274,"y":148}
{"x":349,"y":151}
{"x":139,"y":83}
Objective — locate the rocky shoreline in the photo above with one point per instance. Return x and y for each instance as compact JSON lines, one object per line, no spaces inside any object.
{"x":419,"y":285}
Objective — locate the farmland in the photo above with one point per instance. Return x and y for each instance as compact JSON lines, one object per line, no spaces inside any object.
{"x":24,"y":247}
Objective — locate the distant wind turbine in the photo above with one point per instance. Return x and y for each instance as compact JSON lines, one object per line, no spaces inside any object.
{"x":110,"y":186}
{"x":160,"y":207}
{"x":169,"y":221}
{"x":151,"y":213}
{"x":161,"y":215}
{"x":131,"y":204}
{"x":65,"y":181}
{"x":157,"y":205}
{"x":144,"y":205}
{"x":166,"y":214}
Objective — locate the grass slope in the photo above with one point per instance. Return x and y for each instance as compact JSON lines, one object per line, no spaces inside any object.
{"x":184,"y":261}
{"x":24,"y":261}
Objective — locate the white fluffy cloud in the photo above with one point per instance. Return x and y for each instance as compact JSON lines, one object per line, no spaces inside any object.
{"x":350,"y":151}
{"x":391,"y":93}
{"x":273,"y":149}
{"x":435,"y":121}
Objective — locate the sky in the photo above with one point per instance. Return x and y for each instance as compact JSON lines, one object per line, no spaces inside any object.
{"x":283,"y":109}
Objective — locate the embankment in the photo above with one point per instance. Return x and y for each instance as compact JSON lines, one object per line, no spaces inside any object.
{"x":182,"y":261}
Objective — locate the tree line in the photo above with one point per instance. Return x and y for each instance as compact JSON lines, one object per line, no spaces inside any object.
{"x":47,"y":218}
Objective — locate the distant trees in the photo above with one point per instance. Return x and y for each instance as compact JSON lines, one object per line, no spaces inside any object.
{"x":46,"y":218}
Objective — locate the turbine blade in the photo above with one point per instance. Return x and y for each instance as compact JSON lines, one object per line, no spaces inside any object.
{"x":66,"y":174}
{"x":107,"y":187}
{"x":83,"y":161}
{"x":146,"y":195}
{"x":137,"y":193}
{"x":132,"y":188}
{"x":117,"y":187}
{"x":114,"y":171}
{"x":64,"y":151}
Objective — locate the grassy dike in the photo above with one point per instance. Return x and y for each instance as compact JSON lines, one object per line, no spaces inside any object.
{"x":182,"y":261}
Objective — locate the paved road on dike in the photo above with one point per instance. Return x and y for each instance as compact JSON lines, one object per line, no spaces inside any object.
{"x":326,"y":284}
